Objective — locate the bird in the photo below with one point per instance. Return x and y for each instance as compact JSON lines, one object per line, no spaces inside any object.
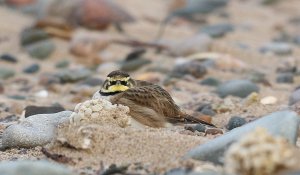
{"x":149,"y":104}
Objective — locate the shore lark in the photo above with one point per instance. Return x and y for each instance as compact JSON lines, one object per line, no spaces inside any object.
{"x":149,"y":104}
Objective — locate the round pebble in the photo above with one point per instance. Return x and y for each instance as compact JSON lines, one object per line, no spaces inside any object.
{"x":235,"y":122}
{"x":8,"y":58}
{"x":285,"y":78}
{"x":32,"y":69}
{"x":239,"y":88}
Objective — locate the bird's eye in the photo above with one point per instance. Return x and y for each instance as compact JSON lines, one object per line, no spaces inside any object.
{"x":113,"y":82}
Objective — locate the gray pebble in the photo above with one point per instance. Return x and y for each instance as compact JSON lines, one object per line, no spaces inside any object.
{"x":295,"y":97}
{"x":8,"y":58}
{"x":40,"y":50}
{"x":32,"y":69}
{"x":30,"y":36}
{"x":62,"y":64}
{"x":239,"y":88}
{"x":193,"y":68}
{"x":33,"y":131}
{"x":285,"y":78}
{"x":217,"y":30}
{"x":73,"y":75}
{"x":279,"y":48}
{"x":210,"y":81}
{"x":282,"y":123}
{"x":29,"y":167}
{"x":235,"y":122}
{"x":134,"y":64}
{"x":6,"y":73}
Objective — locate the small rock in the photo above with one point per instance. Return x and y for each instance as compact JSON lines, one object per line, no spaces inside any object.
{"x":135,"y":54}
{"x":48,"y":79}
{"x":210,"y":81}
{"x":206,"y":109}
{"x":29,"y":167}
{"x":194,"y":68}
{"x":8,"y":58}
{"x":42,"y":94}
{"x":297,"y":40}
{"x":268,"y":100}
{"x":34,"y":110}
{"x":62,"y":64}
{"x":217,"y":30}
{"x":30,"y":36}
{"x":213,"y":131}
{"x":6,"y":73}
{"x":235,"y":122}
{"x":295,"y":97}
{"x":282,"y":123}
{"x":135,"y":64}
{"x":36,"y":130}
{"x":285,"y":78}
{"x":32,"y":69}
{"x":73,"y":75}
{"x":17,"y":97}
{"x":41,"y":50}
{"x":200,"y":128}
{"x":92,"y":82}
{"x":278,"y":48}
{"x":239,"y":88}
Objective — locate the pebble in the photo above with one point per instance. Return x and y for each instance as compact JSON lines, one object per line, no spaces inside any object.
{"x":278,"y":48}
{"x":30,"y":36}
{"x":194,"y":68}
{"x":41,"y":50}
{"x":217,"y":30}
{"x":235,"y":122}
{"x":297,"y":40}
{"x":73,"y":75}
{"x":34,"y":110}
{"x":36,"y":130}
{"x":281,"y":123}
{"x":295,"y":97}
{"x":32,"y":69}
{"x":30,"y":167}
{"x":269,"y":100}
{"x":210,"y":81}
{"x":92,"y":82}
{"x":200,"y":128}
{"x":239,"y":88}
{"x":206,"y":109}
{"x":42,"y":94}
{"x":62,"y":64}
{"x":48,"y":79}
{"x":134,"y":64}
{"x":8,"y":58}
{"x":6,"y":73}
{"x":285,"y":78}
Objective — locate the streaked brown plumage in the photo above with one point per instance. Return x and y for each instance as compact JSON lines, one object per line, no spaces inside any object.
{"x":149,"y":104}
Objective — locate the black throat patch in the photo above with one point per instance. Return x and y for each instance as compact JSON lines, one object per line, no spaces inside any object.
{"x":109,"y":93}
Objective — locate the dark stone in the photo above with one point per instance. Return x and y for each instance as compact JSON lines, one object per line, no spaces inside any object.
{"x":235,"y":122}
{"x":17,"y":97}
{"x":206,"y":109}
{"x":32,"y":69}
{"x":135,"y":54}
{"x":41,"y":50}
{"x":73,"y":75}
{"x":200,"y":128}
{"x":194,"y":68}
{"x":8,"y":58}
{"x":285,"y":78}
{"x":6,"y":73}
{"x":134,"y":64}
{"x":210,"y":81}
{"x":33,"y":110}
{"x":62,"y":64}
{"x":30,"y":36}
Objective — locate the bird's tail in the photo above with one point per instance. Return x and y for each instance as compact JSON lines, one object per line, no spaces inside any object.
{"x":191,"y":119}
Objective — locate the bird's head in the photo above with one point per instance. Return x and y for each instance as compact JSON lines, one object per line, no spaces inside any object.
{"x":116,"y":82}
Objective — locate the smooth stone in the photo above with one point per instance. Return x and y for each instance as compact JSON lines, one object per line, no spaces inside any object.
{"x":239,"y":88}
{"x":285,"y":78}
{"x":29,"y":167}
{"x":134,"y":64}
{"x":200,"y":128}
{"x":62,"y":64}
{"x":296,"y":40}
{"x":36,"y":130}
{"x":34,"y":110}
{"x":279,"y":48}
{"x":206,"y":109}
{"x":32,"y":69}
{"x":282,"y":123}
{"x":6,"y":73}
{"x":73,"y":75}
{"x":41,"y":50}
{"x":92,"y":82}
{"x":295,"y":97}
{"x":30,"y":36}
{"x":217,"y":30}
{"x":194,"y":68}
{"x":17,"y":97}
{"x":8,"y":58}
{"x":210,"y":81}
{"x":235,"y":122}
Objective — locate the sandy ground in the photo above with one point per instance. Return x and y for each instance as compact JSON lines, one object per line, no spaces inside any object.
{"x":264,"y":23}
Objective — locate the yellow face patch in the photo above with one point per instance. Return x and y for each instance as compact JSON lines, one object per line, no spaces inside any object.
{"x":115,"y":88}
